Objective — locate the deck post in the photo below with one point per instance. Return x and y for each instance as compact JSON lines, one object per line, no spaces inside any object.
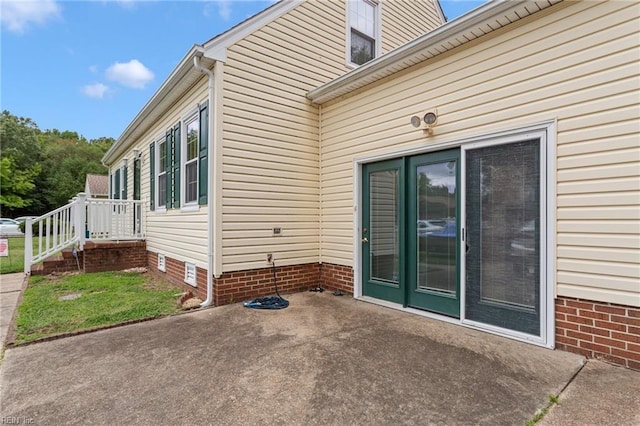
{"x":80,"y":218}
{"x":28,"y":246}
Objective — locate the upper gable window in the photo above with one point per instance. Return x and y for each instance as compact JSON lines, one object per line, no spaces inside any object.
{"x":363,"y":37}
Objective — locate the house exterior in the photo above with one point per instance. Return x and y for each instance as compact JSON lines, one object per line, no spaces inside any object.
{"x":483,"y":172}
{"x":96,"y":186}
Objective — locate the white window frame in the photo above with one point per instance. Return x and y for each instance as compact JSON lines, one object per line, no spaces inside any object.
{"x":377,"y":30}
{"x":160,"y":139}
{"x":190,"y":274}
{"x":189,"y":118}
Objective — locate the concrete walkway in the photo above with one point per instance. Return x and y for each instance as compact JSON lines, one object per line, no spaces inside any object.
{"x":10,"y":290}
{"x":324,"y":360}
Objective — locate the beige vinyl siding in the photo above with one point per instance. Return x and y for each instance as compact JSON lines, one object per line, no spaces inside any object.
{"x":403,"y":21}
{"x":576,"y":62}
{"x":178,"y":234}
{"x":270,"y":131}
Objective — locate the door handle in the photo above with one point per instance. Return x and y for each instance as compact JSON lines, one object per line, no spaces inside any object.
{"x":365,"y":240}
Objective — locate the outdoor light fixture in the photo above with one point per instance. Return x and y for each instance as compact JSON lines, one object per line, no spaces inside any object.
{"x":427,"y":122}
{"x":430,"y":118}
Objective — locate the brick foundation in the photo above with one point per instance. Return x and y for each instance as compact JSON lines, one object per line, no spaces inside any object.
{"x":174,"y":273}
{"x":336,"y":277}
{"x":114,"y":255}
{"x":96,"y":257}
{"x":246,"y":285}
{"x":63,"y":262}
{"x":599,"y":330}
{"x":240,"y":286}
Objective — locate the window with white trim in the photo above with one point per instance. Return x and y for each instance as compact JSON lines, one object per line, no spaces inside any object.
{"x":161,"y":167}
{"x":362,"y":37}
{"x":190,"y":144}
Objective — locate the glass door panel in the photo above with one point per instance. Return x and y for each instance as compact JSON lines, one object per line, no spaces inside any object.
{"x":382,"y":230}
{"x":433,"y":235}
{"x":503,"y":228}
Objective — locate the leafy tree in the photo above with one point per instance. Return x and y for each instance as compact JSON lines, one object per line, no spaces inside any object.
{"x":42,"y":170}
{"x":19,"y":156}
{"x":67,"y":160}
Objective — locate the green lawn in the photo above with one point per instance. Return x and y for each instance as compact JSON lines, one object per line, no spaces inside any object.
{"x":105,"y":298}
{"x":15,"y":261}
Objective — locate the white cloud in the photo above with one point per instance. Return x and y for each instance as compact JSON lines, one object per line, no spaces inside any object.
{"x":17,"y":15}
{"x":224,"y":9}
{"x":130,"y":74}
{"x":93,"y":69}
{"x":97,"y":90}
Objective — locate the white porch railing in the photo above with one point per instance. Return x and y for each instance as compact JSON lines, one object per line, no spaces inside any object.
{"x":81,"y":220}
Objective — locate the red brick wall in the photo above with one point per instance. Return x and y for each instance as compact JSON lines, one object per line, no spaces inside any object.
{"x":114,"y":256}
{"x":599,"y":330}
{"x":240,"y":286}
{"x":336,"y":277}
{"x":175,"y":274}
{"x":246,"y":285}
{"x":64,"y":262}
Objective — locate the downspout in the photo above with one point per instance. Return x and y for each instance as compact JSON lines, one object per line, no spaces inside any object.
{"x":211,"y":201}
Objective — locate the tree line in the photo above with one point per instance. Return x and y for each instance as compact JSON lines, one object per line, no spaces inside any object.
{"x":41,"y":170}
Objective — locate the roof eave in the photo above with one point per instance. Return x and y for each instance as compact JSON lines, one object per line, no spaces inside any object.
{"x":165,"y":93}
{"x":216,"y":48}
{"x":444,"y":38}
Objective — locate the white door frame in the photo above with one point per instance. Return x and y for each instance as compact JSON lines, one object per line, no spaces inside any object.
{"x":546,"y":133}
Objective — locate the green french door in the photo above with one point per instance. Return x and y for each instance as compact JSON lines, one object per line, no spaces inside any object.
{"x":415,"y":238}
{"x":410,"y":232}
{"x":432,"y":241}
{"x":383,"y":230}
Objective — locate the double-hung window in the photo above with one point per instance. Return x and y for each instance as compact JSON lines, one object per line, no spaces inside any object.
{"x":162,"y":172}
{"x":190,"y":144}
{"x":178,"y":163}
{"x":363,"y":31}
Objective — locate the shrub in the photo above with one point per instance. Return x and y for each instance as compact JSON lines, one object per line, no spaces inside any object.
{"x":54,"y":228}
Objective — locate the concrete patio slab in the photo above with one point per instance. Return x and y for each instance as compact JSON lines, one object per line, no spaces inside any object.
{"x":323,"y":360}
{"x":600,"y":394}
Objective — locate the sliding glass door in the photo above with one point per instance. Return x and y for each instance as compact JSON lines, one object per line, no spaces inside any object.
{"x":503,"y":236}
{"x":459,"y":232}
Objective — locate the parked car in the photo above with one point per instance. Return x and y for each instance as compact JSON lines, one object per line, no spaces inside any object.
{"x":9,"y":227}
{"x":442,"y":241}
{"x":525,"y":243}
{"x":426,"y":227}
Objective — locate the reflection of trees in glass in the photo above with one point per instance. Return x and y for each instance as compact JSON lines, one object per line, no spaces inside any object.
{"x":362,"y":48}
{"x":434,"y":201}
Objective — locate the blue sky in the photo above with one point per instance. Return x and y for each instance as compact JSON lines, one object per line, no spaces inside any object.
{"x":90,"y":66}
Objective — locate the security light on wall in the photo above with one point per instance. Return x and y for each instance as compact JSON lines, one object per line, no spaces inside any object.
{"x":427,"y":121}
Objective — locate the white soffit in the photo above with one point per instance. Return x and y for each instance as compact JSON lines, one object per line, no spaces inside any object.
{"x":489,"y":17}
